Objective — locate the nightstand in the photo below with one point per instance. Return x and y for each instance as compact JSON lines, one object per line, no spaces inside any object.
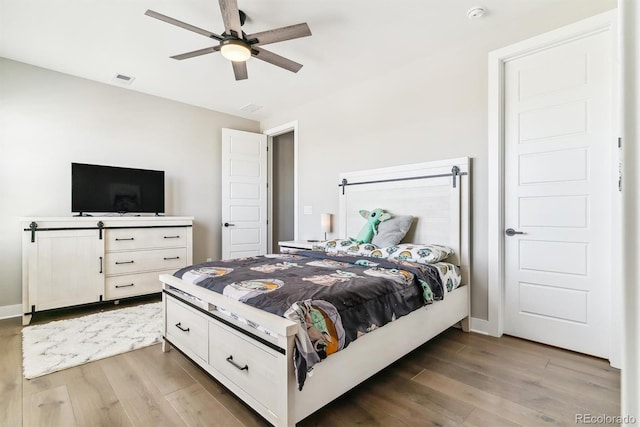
{"x":296,"y":245}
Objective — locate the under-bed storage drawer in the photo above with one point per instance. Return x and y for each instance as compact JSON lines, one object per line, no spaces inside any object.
{"x":186,"y":328}
{"x":250,"y":366}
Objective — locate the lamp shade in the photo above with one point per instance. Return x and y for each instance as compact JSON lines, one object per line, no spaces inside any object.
{"x":325,"y":222}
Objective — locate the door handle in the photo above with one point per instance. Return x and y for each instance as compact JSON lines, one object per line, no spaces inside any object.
{"x":512,"y":232}
{"x":226,"y":224}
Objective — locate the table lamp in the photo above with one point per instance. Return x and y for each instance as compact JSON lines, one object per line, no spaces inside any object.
{"x":325,"y":224}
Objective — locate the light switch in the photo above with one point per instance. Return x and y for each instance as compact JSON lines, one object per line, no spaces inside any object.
{"x":308,"y":210}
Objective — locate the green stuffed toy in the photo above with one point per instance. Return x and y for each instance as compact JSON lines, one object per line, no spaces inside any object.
{"x":370,"y":229}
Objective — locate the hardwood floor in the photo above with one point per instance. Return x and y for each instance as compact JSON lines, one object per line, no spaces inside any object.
{"x":455,"y":379}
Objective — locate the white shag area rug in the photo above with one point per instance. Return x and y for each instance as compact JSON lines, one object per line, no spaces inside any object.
{"x":66,"y":343}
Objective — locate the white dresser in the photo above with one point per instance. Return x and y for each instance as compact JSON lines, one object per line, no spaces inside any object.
{"x":72,"y":261}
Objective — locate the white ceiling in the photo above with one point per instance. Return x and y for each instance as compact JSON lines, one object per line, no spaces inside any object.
{"x":352,"y":40}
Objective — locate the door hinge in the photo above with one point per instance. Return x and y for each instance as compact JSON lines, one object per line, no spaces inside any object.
{"x":619,"y":142}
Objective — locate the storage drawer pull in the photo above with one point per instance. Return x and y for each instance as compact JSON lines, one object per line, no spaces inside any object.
{"x":125,"y":286}
{"x":181,"y":328}
{"x":128,"y":238}
{"x":171,"y":237}
{"x":173,"y":257}
{"x":124,"y":262}
{"x":242,"y":368}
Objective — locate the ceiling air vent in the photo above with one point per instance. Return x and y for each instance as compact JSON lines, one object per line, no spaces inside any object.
{"x":123,"y":80}
{"x":250,"y":108}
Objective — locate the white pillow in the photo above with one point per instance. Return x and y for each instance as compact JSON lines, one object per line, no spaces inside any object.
{"x":346,"y":246}
{"x":423,"y":254}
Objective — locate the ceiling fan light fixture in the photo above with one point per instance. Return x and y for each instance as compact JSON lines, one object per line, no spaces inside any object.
{"x":235,"y":50}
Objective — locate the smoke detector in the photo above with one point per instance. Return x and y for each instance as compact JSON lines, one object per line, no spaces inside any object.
{"x":475,"y":12}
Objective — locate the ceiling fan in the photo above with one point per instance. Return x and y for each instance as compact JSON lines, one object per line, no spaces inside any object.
{"x":237,"y":46}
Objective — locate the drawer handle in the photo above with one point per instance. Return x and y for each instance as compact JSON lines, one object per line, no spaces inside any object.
{"x":173,"y":257}
{"x":124,"y":262}
{"x":124,"y":286}
{"x":242,"y":368}
{"x":171,"y":237}
{"x":128,"y":238}
{"x":181,"y":328}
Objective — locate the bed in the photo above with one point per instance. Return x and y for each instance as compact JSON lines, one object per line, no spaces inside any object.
{"x":256,"y":353}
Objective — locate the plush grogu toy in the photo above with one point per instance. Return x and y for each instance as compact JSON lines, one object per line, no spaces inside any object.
{"x":370,"y":229}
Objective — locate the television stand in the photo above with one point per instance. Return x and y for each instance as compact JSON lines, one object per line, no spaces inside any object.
{"x":82,"y":214}
{"x":75,"y":261}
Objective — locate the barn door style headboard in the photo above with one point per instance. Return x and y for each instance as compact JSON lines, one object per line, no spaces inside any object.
{"x":435,"y":193}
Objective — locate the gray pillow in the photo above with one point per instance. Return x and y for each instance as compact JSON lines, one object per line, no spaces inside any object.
{"x":392,"y":231}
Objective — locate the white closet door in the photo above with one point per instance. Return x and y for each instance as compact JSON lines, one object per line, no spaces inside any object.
{"x":558,"y":186}
{"x":244,"y":194}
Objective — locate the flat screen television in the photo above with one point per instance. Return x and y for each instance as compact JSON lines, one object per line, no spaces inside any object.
{"x":96,"y":188}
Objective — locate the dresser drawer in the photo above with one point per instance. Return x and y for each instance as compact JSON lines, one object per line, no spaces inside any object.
{"x":250,"y":366}
{"x":186,"y":328}
{"x":127,"y":285}
{"x":156,"y":259}
{"x":124,"y":239}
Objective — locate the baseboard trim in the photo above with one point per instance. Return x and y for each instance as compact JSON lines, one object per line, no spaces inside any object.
{"x":479,"y":326}
{"x":9,"y":311}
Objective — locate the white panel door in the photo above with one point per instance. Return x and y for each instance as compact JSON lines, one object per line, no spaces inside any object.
{"x":244,"y":194}
{"x":558,"y":186}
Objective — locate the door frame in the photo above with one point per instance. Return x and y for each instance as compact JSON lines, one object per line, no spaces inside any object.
{"x":496,"y":166}
{"x":271,"y":133}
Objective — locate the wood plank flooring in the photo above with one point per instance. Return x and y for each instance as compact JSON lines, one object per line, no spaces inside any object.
{"x":456,"y":379}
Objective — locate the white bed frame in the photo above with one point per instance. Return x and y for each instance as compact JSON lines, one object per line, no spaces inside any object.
{"x":442,"y":213}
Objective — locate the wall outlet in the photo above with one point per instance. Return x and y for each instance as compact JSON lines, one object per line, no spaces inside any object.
{"x":209,"y":260}
{"x":308,"y":210}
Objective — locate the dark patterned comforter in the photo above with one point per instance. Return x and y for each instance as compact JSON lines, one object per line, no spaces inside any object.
{"x":334,"y":298}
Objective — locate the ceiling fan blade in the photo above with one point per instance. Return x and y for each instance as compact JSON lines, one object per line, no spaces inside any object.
{"x":198,"y":52}
{"x":280,"y":34}
{"x":231,"y":17}
{"x":240,"y":70}
{"x":276,"y":59}
{"x":181,"y":24}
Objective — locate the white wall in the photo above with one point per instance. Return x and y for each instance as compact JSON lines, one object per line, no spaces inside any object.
{"x":434,"y":107}
{"x":49,"y":119}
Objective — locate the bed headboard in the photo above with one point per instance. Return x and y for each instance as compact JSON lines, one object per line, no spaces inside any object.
{"x":435,"y":193}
